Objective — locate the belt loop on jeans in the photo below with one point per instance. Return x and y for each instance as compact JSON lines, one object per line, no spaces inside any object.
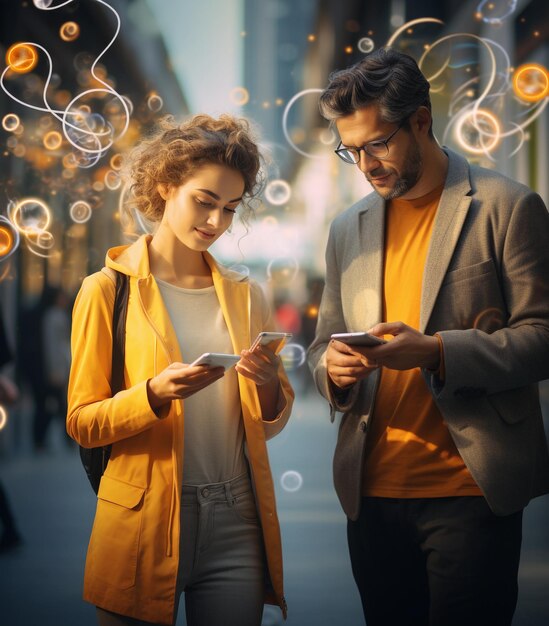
{"x":228,"y":494}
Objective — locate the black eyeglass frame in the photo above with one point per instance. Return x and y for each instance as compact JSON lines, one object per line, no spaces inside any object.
{"x":339,"y":150}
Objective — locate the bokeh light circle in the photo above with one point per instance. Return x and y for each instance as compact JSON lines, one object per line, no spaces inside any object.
{"x":287,"y":109}
{"x":239,"y":96}
{"x":80,"y":211}
{"x":10,"y":122}
{"x":241,"y":269}
{"x":3,"y":417}
{"x":293,"y":356}
{"x":53,"y":140}
{"x":291,"y":481}
{"x":69,"y":31}
{"x":21,"y":58}
{"x":112,"y":180}
{"x":366,"y":45}
{"x":282,"y":270}
{"x":270,"y":221}
{"x":278,"y":192}
{"x":31,"y":216}
{"x":155,"y":102}
{"x":327,"y":136}
{"x":531,"y":82}
{"x":45,"y":240}
{"x":117,"y":161}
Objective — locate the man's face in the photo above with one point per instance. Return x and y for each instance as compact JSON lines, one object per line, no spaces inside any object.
{"x":397,"y":173}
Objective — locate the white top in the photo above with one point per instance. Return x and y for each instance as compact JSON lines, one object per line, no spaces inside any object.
{"x":214,"y":433}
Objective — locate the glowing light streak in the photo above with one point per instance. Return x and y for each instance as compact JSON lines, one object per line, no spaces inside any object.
{"x":62,"y":115}
{"x":512,"y":5}
{"x":21,"y":58}
{"x":404,"y":27}
{"x":472,"y":117}
{"x":40,"y":252}
{"x":292,"y":100}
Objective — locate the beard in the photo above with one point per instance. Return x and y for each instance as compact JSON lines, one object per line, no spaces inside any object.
{"x":413,"y":165}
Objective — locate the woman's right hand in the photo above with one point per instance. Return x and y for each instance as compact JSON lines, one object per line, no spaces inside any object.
{"x":179,"y":381}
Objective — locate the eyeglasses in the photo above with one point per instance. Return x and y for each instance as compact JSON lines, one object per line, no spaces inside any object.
{"x":377,"y":149}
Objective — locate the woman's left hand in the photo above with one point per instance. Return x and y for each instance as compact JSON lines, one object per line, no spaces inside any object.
{"x":261,"y":365}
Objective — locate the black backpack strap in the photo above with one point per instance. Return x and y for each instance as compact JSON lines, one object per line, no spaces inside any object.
{"x":95,"y":460}
{"x":119,"y":314}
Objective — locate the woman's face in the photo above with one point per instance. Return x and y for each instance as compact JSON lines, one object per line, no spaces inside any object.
{"x":200,"y":210}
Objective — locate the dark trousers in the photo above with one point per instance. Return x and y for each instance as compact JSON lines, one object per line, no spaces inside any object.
{"x":435,"y":562}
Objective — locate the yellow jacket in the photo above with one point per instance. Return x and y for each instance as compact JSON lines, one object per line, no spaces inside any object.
{"x":133,"y":555}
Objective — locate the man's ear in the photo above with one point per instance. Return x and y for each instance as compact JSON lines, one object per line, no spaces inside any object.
{"x":164,"y":190}
{"x":423,"y":119}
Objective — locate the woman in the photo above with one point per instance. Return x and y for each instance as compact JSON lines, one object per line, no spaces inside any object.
{"x":183,"y":505}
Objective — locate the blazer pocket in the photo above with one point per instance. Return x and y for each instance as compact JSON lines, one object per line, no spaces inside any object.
{"x":112,"y":555}
{"x":515,"y":405}
{"x":470,"y":271}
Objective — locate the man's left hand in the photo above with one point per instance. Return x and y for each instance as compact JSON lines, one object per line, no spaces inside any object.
{"x":408,"y":349}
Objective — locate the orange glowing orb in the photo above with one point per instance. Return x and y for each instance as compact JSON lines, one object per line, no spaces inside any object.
{"x":6,"y":241}
{"x":21,"y":58}
{"x":531,"y":82}
{"x":69,"y":31}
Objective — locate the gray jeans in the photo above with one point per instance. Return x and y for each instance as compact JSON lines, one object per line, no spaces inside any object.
{"x":221,"y":559}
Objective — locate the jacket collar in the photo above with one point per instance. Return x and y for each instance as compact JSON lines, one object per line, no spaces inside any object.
{"x":232,"y":290}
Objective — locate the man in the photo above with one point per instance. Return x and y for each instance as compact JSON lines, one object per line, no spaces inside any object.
{"x":441,"y":442}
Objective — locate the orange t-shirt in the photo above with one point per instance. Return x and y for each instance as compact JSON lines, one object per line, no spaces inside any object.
{"x":409,"y":450}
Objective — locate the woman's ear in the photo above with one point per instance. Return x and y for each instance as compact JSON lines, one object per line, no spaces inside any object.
{"x":164,"y":190}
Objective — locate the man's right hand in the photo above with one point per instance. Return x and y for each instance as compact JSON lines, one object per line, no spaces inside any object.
{"x":345,"y":365}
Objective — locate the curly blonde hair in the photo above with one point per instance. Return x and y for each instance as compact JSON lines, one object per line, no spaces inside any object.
{"x":174,"y":151}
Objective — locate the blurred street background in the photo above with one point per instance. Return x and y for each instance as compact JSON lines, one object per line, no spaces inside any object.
{"x":117,"y":66}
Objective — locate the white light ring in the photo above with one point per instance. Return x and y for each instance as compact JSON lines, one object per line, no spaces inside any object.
{"x":285,"y":122}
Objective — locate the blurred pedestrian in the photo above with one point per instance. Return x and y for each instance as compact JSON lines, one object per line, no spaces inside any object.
{"x":44,"y":358}
{"x":10,"y":537}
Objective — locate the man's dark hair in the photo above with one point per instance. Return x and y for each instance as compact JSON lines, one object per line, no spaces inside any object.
{"x":390,"y":79}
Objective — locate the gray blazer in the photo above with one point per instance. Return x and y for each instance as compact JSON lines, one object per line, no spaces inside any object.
{"x":486,"y":292}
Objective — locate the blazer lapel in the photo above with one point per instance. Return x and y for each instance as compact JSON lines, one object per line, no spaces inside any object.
{"x":370,"y":267}
{"x":451,"y":214}
{"x":155,"y":310}
{"x":234,"y":299}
